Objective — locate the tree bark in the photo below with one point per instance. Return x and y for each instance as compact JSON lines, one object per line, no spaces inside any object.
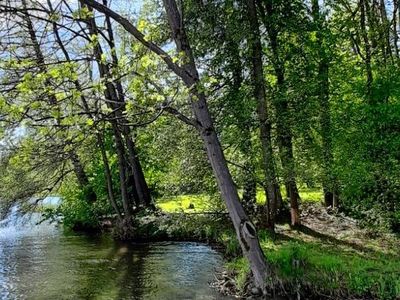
{"x":284,"y":137}
{"x":364,"y":10}
{"x":142,"y":189}
{"x":100,"y":141}
{"x":111,"y":95}
{"x":243,"y":123}
{"x":108,"y":176}
{"x":272,"y":186}
{"x":329,"y":182}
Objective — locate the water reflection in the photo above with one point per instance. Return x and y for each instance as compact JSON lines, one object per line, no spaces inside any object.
{"x":43,"y":263}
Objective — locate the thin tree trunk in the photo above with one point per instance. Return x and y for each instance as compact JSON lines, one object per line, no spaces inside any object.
{"x":73,"y":156}
{"x":364,"y":9}
{"x":329,"y":182}
{"x":82,"y":178}
{"x":395,"y":33}
{"x":100,"y":142}
{"x":107,"y":174}
{"x":126,"y":203}
{"x":142,"y":190}
{"x":272,"y":186}
{"x":249,"y":185}
{"x":111,"y":95}
{"x":282,"y":123}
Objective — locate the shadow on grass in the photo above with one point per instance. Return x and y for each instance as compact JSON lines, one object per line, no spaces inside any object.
{"x":330,"y":240}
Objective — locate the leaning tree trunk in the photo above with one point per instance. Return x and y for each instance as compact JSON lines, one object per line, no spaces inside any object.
{"x":245,"y":230}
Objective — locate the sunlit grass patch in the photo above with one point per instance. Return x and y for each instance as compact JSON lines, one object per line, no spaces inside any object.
{"x":202,"y":202}
{"x":311,"y":194}
{"x":306,"y":194}
{"x":189,"y":203}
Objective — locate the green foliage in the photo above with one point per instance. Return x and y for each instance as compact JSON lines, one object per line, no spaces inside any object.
{"x":75,"y":209}
{"x":183,"y":227}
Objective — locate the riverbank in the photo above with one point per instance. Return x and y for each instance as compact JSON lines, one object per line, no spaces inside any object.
{"x":329,"y":257}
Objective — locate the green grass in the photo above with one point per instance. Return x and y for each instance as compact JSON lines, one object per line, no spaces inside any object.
{"x":306,"y":195}
{"x":311,"y":194}
{"x":181,"y":203}
{"x":204,"y":202}
{"x":328,"y":269}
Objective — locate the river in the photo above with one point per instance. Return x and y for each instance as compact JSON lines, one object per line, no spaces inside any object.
{"x":43,"y":262}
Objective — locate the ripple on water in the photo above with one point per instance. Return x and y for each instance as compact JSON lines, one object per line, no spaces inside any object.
{"x":42,"y":263}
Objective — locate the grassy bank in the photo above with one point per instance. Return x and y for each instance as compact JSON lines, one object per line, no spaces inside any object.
{"x":329,"y":257}
{"x":326,"y":270}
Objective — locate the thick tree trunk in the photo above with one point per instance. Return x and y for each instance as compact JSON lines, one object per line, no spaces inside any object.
{"x":272,"y":186}
{"x":245,"y":230}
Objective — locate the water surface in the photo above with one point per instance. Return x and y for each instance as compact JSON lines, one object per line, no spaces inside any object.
{"x":41,"y":262}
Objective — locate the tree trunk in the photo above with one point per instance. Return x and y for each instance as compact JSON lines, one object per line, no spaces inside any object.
{"x":395,"y":33}
{"x":364,"y":9}
{"x":108,"y":176}
{"x":245,"y":230}
{"x":282,"y":123}
{"x":243,"y":123}
{"x":272,"y":185}
{"x":79,"y":170}
{"x":126,"y":203}
{"x":329,"y":181}
{"x":140,"y":184}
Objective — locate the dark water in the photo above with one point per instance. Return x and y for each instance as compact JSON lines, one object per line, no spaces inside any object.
{"x":40,"y":262}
